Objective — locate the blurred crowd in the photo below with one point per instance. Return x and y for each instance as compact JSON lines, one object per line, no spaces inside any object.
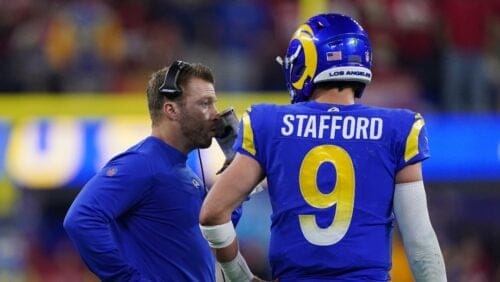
{"x":428,"y":54}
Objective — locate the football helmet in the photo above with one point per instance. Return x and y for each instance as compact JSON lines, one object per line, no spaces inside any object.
{"x":328,"y":47}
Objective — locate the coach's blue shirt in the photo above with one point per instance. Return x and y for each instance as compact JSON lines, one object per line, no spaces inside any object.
{"x":137,"y":219}
{"x":331,"y":172}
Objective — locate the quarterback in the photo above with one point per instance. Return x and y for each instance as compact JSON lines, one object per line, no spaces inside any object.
{"x":339,"y":173}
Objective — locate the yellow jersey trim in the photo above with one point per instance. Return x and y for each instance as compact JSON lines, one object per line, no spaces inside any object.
{"x":412,"y":139}
{"x":248,"y":141}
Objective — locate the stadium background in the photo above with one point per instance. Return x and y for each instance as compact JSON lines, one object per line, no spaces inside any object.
{"x":72,"y":84}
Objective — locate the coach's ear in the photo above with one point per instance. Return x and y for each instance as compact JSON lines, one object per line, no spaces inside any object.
{"x":171,"y":110}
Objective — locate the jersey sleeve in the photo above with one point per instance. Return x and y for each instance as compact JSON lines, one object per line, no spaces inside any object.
{"x":249,"y":142}
{"x":107,"y":196}
{"x":413,"y":143}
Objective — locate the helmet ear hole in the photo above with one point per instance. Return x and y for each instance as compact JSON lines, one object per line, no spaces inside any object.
{"x":299,"y":71}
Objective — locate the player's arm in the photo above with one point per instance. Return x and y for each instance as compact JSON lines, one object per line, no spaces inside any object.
{"x":228,"y":192}
{"x":420,"y":241}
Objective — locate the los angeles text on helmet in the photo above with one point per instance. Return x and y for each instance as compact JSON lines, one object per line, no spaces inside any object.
{"x":350,"y":73}
{"x":332,"y":127}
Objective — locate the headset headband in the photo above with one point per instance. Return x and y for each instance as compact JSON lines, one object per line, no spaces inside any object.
{"x":170,"y":86}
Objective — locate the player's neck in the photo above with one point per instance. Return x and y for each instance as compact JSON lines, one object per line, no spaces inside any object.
{"x":333,"y":96}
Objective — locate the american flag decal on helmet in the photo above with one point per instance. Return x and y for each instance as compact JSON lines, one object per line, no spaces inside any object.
{"x":334,"y":56}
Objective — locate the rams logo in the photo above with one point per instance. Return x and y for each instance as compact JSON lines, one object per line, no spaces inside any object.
{"x":196,"y":184}
{"x":305,"y":36}
{"x":111,"y":171}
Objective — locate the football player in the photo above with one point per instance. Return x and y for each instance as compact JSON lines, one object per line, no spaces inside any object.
{"x":338,"y":172}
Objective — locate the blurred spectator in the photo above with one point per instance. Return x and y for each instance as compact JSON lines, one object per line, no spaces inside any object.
{"x":394,"y":86}
{"x":493,"y":54}
{"x":415,"y":39}
{"x":84,"y":42}
{"x":464,"y":80}
{"x":241,"y":33}
{"x":469,"y":262}
{"x":21,"y":27}
{"x":283,"y":22}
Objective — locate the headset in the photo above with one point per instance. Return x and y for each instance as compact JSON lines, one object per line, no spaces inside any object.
{"x":170,"y":86}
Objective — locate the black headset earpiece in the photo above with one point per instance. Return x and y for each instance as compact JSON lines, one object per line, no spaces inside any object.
{"x":170,"y":87}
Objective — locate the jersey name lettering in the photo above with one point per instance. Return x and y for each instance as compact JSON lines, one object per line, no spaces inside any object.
{"x":332,"y":127}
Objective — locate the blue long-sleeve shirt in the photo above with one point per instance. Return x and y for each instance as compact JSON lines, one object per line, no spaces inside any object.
{"x":137,"y":219}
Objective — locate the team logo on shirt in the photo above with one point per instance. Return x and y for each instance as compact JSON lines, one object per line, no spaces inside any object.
{"x":196,"y":184}
{"x":111,"y":171}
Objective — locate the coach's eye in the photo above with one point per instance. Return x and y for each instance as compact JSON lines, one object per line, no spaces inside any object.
{"x":206,"y":103}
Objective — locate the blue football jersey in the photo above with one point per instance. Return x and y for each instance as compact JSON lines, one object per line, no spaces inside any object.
{"x":330,"y":171}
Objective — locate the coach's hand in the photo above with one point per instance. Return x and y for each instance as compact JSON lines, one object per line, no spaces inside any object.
{"x":227,"y":130}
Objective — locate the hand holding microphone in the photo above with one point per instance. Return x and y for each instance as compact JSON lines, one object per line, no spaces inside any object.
{"x":227,"y":130}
